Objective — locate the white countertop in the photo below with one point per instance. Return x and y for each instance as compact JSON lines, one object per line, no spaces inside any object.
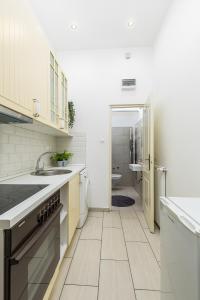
{"x":15,"y":214}
{"x":189,"y":205}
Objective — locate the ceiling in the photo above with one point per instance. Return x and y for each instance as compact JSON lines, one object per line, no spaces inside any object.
{"x":101,"y":23}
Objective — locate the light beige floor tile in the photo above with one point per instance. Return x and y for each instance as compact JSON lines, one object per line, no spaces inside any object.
{"x":115,"y":208}
{"x":144,"y":267}
{"x":72,"y":247}
{"x":57,"y":289}
{"x":129,"y":191}
{"x":142,"y":219}
{"x":119,"y":190}
{"x":115,"y":281}
{"x":112,"y":219}
{"x":92,"y":229}
{"x":154,"y":240}
{"x":147,"y":295}
{"x":133,"y":230}
{"x":138,"y":206}
{"x":113,"y":245}
{"x":84,"y":268}
{"x":97,"y":214}
{"x":72,"y":292}
{"x":127,"y":213}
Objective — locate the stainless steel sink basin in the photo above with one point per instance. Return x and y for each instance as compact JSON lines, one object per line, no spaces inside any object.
{"x":50,"y":172}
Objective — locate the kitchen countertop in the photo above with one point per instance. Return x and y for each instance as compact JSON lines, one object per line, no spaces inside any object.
{"x":15,"y":214}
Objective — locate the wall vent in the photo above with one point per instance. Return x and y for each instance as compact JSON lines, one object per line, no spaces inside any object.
{"x":128,"y":83}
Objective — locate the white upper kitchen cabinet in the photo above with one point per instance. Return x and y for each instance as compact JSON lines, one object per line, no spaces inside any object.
{"x":23,"y":59}
{"x":39,"y":74}
{"x":28,"y":69}
{"x":64,"y":101}
{"x":14,"y":65}
{"x":58,"y":95}
{"x":25,"y":64}
{"x":54,"y":89}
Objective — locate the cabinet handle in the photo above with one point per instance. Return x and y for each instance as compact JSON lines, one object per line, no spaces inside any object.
{"x":36,"y":108}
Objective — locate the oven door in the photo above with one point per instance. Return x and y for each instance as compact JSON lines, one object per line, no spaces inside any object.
{"x":32,"y":266}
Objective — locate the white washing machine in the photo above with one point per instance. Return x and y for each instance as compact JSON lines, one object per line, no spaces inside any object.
{"x":84,"y":182}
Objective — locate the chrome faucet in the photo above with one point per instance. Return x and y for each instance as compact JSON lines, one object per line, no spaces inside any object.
{"x":37,"y":168}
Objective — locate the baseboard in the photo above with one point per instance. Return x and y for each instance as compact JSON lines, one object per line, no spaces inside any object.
{"x":157,"y":224}
{"x":98,"y":209}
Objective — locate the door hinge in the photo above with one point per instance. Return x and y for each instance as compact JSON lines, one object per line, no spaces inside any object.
{"x":149,"y":160}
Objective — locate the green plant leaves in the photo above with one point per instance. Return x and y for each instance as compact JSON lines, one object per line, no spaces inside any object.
{"x":72,"y":113}
{"x":61,"y":156}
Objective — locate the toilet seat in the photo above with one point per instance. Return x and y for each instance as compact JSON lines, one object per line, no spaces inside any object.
{"x":116,"y":176}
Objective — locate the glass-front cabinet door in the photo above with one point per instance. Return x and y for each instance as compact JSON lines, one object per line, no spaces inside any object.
{"x":63,"y":96}
{"x":64,"y":105}
{"x":56,"y":90}
{"x":54,"y":79}
{"x":58,"y":95}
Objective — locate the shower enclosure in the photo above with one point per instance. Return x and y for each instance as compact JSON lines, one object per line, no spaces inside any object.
{"x":123,"y":153}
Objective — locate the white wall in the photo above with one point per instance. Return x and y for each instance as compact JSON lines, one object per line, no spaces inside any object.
{"x":177,"y":98}
{"x":94,"y":81}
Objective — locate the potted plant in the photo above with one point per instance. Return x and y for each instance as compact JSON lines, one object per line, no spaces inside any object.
{"x":58,"y":158}
{"x":61,"y":158}
{"x":66,"y":156}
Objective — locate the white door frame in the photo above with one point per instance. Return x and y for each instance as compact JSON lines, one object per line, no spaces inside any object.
{"x":110,"y":144}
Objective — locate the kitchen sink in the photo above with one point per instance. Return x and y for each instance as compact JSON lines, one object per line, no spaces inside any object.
{"x":50,"y":172}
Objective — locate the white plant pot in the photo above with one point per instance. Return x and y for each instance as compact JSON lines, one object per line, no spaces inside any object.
{"x":60,"y":163}
{"x":65,"y":162}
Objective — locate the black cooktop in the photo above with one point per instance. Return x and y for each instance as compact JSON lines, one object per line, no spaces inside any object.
{"x":13,"y":194}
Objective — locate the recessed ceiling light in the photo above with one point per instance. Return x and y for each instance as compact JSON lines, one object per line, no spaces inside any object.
{"x":74,"y":26}
{"x":131,"y":24}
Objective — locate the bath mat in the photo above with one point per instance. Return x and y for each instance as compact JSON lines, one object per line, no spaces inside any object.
{"x":122,"y":201}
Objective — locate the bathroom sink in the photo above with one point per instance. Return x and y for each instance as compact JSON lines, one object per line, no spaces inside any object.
{"x":50,"y":172}
{"x":135,"y":167}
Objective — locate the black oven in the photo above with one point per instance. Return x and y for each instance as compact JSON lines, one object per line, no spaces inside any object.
{"x":32,"y":252}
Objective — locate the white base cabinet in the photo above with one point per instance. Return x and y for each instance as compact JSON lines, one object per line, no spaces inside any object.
{"x":70,"y":215}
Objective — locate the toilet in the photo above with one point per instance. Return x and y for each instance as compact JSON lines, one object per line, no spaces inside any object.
{"x":115,"y":179}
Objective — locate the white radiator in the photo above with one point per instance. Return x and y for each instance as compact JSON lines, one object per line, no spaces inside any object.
{"x":159,"y":189}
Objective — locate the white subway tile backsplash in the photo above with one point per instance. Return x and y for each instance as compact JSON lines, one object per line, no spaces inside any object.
{"x":13,"y":158}
{"x":7,"y":148}
{"x":14,"y":139}
{"x":7,"y":129}
{"x":3,"y":138}
{"x":76,"y":145}
{"x":20,"y":148}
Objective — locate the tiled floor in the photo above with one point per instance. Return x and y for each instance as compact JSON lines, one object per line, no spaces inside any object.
{"x":113,"y":257}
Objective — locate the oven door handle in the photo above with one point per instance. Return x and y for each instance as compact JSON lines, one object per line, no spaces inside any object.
{"x":15,"y":259}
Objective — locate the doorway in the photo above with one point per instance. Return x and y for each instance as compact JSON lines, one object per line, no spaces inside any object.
{"x":131,"y":159}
